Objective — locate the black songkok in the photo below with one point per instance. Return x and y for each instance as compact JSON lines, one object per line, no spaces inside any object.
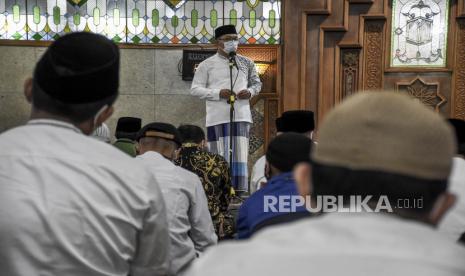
{"x":300,"y":121}
{"x":287,"y":150}
{"x":79,"y":68}
{"x":127,"y":127}
{"x":224,"y":30}
{"x":459,"y":127}
{"x":160,"y":130}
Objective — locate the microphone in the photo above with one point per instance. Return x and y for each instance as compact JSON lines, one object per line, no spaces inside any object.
{"x":232,"y":59}
{"x":232,"y":63}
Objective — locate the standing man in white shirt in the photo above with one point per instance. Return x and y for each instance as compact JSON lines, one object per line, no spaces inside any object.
{"x":190,"y":223}
{"x":374,"y":145}
{"x":70,"y":204}
{"x":212,"y":83}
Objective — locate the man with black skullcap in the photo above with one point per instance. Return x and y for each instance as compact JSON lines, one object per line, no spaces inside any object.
{"x":190,"y":224}
{"x":212,"y":83}
{"x":299,"y":121}
{"x":126,"y":131}
{"x":283,"y":153}
{"x":69,"y":204}
{"x":453,"y":225}
{"x":382,"y":147}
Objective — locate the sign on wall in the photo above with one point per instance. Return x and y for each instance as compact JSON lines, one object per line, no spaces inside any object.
{"x":419,"y":33}
{"x":191,"y":59}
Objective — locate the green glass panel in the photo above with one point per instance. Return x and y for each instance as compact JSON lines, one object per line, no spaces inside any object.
{"x":117,"y":39}
{"x":77,"y":19}
{"x":253,"y":19}
{"x":36,"y":14}
{"x":96,"y":16}
{"x":16,"y":13}
{"x":233,"y":16}
{"x":136,"y":39}
{"x":213,"y":18}
{"x":56,"y":15}
{"x":116,"y":19}
{"x":155,"y":18}
{"x":37,"y":36}
{"x":271,"y":40}
{"x":56,"y":36}
{"x":272,"y":19}
{"x":174,"y":21}
{"x":194,"y":18}
{"x":155,"y":39}
{"x":17,"y":36}
{"x":135,"y":17}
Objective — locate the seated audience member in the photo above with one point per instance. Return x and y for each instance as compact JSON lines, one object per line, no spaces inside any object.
{"x":213,"y":171}
{"x":126,"y":131}
{"x":299,"y":121}
{"x":102,"y":133}
{"x":385,"y":148}
{"x":453,"y":224}
{"x":283,"y":153}
{"x":69,"y":204}
{"x":190,"y":224}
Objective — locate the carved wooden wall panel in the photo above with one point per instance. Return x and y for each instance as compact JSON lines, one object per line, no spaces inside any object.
{"x":458,"y":99}
{"x":335,"y":48}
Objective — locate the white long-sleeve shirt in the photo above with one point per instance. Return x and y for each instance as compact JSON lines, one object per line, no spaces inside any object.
{"x":338,"y":244}
{"x":212,"y":75}
{"x":258,"y":174}
{"x":453,"y":224}
{"x":190,"y":224}
{"x":72,"y":205}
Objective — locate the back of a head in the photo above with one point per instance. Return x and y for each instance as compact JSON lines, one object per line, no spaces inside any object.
{"x":287,"y":150}
{"x":383,"y":143}
{"x":300,"y":121}
{"x":77,"y":76}
{"x":459,"y":128}
{"x":191,"y":134}
{"x":127,"y":127}
{"x":159,"y":135}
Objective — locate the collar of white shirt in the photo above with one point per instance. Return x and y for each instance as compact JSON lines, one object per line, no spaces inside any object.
{"x":54,"y":123}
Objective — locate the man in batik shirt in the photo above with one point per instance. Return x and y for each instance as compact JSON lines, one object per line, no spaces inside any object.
{"x":213,"y":171}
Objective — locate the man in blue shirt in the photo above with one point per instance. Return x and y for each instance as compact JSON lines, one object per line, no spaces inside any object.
{"x":283,"y":153}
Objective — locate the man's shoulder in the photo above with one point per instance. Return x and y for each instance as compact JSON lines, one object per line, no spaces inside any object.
{"x":208,"y":60}
{"x":186,"y":175}
{"x":245,"y":59}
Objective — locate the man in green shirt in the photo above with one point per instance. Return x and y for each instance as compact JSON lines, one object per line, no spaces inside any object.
{"x":126,"y":130}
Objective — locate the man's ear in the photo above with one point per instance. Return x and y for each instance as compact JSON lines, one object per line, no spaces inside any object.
{"x":444,"y":202}
{"x":303,"y":176}
{"x":104,"y":115}
{"x":28,"y":90}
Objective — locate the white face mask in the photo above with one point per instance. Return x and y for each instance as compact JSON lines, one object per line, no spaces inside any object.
{"x":230,"y":46}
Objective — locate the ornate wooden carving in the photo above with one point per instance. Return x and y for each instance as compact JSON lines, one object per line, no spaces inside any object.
{"x":427,"y":93}
{"x":350,"y":65}
{"x":458,"y":109}
{"x":373,"y":53}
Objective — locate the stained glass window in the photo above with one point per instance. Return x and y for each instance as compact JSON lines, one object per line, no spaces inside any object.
{"x":141,"y":21}
{"x":419,"y":33}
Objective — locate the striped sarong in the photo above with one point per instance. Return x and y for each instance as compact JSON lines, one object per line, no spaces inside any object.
{"x":218,"y":142}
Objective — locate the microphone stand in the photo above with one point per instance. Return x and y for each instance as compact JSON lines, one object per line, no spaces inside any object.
{"x":231,"y":101}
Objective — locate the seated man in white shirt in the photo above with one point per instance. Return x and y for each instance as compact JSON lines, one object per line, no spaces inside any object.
{"x":453,"y":225}
{"x":299,"y":121}
{"x":379,"y":175}
{"x":190,"y":224}
{"x":70,"y":204}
